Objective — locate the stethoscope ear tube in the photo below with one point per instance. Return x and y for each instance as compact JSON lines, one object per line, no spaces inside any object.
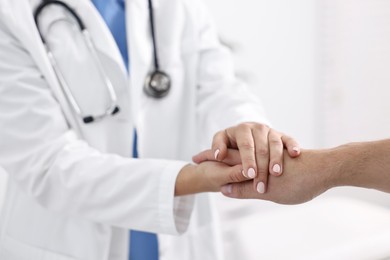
{"x":45,"y":3}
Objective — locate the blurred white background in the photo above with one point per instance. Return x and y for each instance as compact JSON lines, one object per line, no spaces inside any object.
{"x":322,"y":70}
{"x":275,"y":47}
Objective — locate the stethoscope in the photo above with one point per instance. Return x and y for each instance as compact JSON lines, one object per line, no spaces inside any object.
{"x":157,"y":83}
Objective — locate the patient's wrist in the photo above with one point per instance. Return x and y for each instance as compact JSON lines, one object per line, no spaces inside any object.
{"x":187,"y":181}
{"x":327,"y":165}
{"x":339,"y":161}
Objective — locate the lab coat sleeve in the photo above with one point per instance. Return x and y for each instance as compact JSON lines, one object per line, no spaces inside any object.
{"x":64,"y":174}
{"x":223,"y":100}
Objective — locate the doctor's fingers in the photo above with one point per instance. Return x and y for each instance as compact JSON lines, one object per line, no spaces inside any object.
{"x":232,"y":158}
{"x":291,"y":145}
{"x":262,"y":152}
{"x":244,"y":140}
{"x":220,"y":145}
{"x":276,"y":150}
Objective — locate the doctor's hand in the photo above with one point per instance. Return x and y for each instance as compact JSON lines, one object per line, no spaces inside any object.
{"x":207,"y":177}
{"x":260,"y":149}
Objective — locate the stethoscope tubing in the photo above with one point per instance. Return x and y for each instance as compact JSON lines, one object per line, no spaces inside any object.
{"x":157,"y":83}
{"x":45,"y":3}
{"x":153,"y":33}
{"x":113,"y":107}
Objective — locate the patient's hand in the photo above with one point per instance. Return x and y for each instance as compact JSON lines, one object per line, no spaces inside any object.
{"x":304,"y":178}
{"x":207,"y":177}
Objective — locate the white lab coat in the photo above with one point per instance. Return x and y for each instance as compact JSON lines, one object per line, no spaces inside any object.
{"x":74,"y":190}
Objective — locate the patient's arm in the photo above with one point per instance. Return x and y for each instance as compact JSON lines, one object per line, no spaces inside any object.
{"x":364,"y":165}
{"x":207,"y":177}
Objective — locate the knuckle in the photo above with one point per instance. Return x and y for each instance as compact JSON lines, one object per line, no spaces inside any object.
{"x":235,"y":177}
{"x":262,"y":151}
{"x":275,"y":140}
{"x":262,"y":173}
{"x":244,"y":127}
{"x":240,"y":190}
{"x":263,"y":170}
{"x":288,"y":139}
{"x":249,"y":160}
{"x":261,"y":128}
{"x":217,"y":135}
{"x":246,"y":145}
{"x":292,"y":142}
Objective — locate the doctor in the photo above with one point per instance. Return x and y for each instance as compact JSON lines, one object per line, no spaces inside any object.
{"x":70,"y":100}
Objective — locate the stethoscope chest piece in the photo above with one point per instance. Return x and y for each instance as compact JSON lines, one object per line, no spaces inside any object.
{"x":157,"y":84}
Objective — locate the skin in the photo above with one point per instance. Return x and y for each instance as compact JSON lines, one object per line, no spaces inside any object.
{"x":365,"y":165}
{"x":260,"y":150}
{"x":207,"y":177}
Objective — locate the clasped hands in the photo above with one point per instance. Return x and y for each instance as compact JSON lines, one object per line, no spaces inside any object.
{"x":258,"y":149}
{"x":248,"y":161}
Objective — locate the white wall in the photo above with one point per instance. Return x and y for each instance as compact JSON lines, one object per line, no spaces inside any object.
{"x":354,"y":78}
{"x":355,"y":72}
{"x":322,"y":69}
{"x":275,"y":52}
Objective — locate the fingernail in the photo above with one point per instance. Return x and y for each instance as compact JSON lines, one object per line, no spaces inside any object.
{"x":216,"y":153}
{"x":227,"y":189}
{"x":243,"y":173}
{"x":277,"y":168}
{"x":260,"y":187}
{"x":251,"y":173}
{"x":296,"y":149}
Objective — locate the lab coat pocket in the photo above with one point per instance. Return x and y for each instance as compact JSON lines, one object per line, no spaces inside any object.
{"x":47,"y":255}
{"x":12,"y":249}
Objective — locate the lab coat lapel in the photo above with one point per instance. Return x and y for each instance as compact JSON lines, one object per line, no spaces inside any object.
{"x":28,"y":34}
{"x":104,"y":40}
